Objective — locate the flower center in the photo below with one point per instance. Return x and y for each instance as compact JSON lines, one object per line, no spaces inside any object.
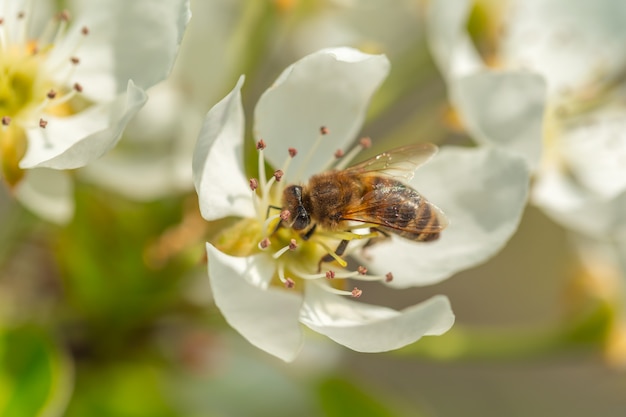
{"x":35,"y":82}
{"x":311,"y":254}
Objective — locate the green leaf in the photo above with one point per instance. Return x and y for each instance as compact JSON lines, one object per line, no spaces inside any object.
{"x":36,"y":377}
{"x":120,"y":390}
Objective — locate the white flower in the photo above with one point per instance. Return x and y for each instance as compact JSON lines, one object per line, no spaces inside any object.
{"x":69,"y":87}
{"x":550,"y":89}
{"x":267,"y":280}
{"x":152,"y":159}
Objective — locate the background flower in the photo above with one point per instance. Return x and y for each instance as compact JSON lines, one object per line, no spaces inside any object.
{"x":78,"y":88}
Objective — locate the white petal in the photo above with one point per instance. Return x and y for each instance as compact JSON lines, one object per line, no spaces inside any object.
{"x":135,"y":40}
{"x":367,"y":328}
{"x":482,"y":191}
{"x":218,"y":171}
{"x":329,"y":88}
{"x":267,"y":318}
{"x":577,"y":208}
{"x":449,"y":41}
{"x":74,"y":141}
{"x":152,"y":159}
{"x":504,"y":109}
{"x":594,"y":149}
{"x":48,"y":193}
{"x":573,"y":44}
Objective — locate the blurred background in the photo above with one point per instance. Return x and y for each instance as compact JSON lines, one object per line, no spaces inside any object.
{"x":111,"y":315}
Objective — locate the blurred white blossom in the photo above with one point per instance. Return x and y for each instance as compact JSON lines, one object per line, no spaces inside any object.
{"x":550,"y":88}
{"x":70,"y":86}
{"x":266,"y":288}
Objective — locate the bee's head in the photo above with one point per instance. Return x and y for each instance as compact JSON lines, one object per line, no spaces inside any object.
{"x":299,"y":218}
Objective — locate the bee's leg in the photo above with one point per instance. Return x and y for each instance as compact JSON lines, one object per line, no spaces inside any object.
{"x":309,"y":233}
{"x":267,"y":214}
{"x":341,"y":248}
{"x":375,"y":240}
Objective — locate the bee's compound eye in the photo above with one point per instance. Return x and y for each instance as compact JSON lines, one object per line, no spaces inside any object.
{"x":302,"y":219}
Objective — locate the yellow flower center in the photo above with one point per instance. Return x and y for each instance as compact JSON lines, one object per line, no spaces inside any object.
{"x":299,"y":255}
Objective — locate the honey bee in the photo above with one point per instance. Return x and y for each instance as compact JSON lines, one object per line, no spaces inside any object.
{"x":372,"y":192}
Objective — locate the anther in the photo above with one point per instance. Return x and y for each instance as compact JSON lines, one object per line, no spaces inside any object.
{"x":284,"y":215}
{"x":356,"y":293}
{"x":289,"y":283}
{"x":330,"y":274}
{"x":6,"y":120}
{"x":324,"y":130}
{"x":339,"y":153}
{"x":21,"y":15}
{"x":361,"y":270}
{"x":365,"y":142}
{"x":293,"y":152}
{"x":85,"y":31}
{"x":64,"y":16}
{"x":254,"y":184}
{"x":1,"y":20}
{"x":278,"y":174}
{"x":75,"y":60}
{"x":260,"y":145}
{"x":51,"y":94}
{"x":78,"y":87}
{"x":388,"y":277}
{"x":293,"y":245}
{"x":43,"y":123}
{"x":264,"y":244}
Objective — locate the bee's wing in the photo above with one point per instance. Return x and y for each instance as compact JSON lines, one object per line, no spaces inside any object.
{"x":378,"y":207}
{"x":399,"y":163}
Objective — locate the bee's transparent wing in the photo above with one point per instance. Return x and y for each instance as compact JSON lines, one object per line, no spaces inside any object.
{"x":399,"y":163}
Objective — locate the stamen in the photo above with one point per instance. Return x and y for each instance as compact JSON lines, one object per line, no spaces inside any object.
{"x":267,"y":230}
{"x":23,"y":27}
{"x":354,"y":293}
{"x":6,"y":120}
{"x":78,"y":87}
{"x":330,"y":274}
{"x":63,"y":17}
{"x":361,"y":270}
{"x":281,"y":251}
{"x":254,"y":184}
{"x":3,"y":35}
{"x":339,"y":153}
{"x":264,"y":244}
{"x":389,"y":277}
{"x":292,"y":153}
{"x":323,"y":131}
{"x":43,"y":123}
{"x":284,"y":215}
{"x":364,"y":143}
{"x":288,"y":282}
{"x":260,"y":145}
{"x":333,"y":254}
